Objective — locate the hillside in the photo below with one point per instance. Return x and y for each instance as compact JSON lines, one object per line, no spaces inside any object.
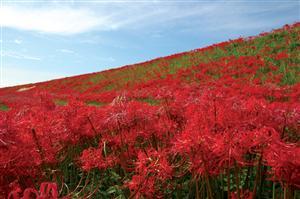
{"x":277,"y":54}
{"x":216,"y":122}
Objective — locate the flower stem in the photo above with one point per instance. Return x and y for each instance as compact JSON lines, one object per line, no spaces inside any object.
{"x":257,"y":178}
{"x":237,"y":179}
{"x":274,"y":190}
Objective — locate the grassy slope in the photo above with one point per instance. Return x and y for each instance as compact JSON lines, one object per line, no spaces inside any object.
{"x":267,"y":45}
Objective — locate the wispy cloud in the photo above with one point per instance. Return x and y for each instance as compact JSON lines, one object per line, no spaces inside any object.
{"x":63,"y":50}
{"x":56,"y":20}
{"x":18,"y":41}
{"x":245,"y":16}
{"x":18,"y":55}
{"x":68,"y":20}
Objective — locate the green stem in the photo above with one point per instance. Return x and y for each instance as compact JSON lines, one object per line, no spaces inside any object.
{"x":222,"y":185}
{"x":208,"y":185}
{"x":285,"y":192}
{"x":262,"y":180}
{"x":257,"y":178}
{"x":197,"y":190}
{"x":228,"y":182}
{"x":209,"y":190}
{"x":274,"y":190}
{"x":237,"y":180}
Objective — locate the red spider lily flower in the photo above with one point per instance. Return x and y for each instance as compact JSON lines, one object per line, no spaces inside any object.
{"x":151,"y":172}
{"x":284,"y":160}
{"x":282,"y":55}
{"x":47,"y":190}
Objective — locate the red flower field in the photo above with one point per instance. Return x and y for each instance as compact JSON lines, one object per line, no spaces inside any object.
{"x":217,"y":122}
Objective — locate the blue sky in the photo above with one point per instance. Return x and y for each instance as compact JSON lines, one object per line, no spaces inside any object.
{"x":44,"y":40}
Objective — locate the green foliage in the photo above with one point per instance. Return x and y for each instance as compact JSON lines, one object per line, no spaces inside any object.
{"x":3,"y":107}
{"x":60,"y":102}
{"x":150,"y":101}
{"x":95,"y":103}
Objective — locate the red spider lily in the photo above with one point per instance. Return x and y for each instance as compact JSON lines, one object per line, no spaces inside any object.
{"x":284,"y":160}
{"x":282,"y":55}
{"x":152,"y":170}
{"x":93,"y":158}
{"x":47,"y":190}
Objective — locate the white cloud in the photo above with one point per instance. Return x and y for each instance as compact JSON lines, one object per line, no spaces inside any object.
{"x":54,"y":20}
{"x":18,"y":55}
{"x":18,"y":41}
{"x":65,"y":51}
{"x":65,"y":20}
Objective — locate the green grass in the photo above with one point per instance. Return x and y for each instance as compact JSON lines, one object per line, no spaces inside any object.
{"x":60,"y":102}
{"x":149,"y":101}
{"x":95,"y":103}
{"x":3,"y":107}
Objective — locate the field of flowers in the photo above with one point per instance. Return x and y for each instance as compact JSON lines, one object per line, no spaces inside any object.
{"x":217,"y":122}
